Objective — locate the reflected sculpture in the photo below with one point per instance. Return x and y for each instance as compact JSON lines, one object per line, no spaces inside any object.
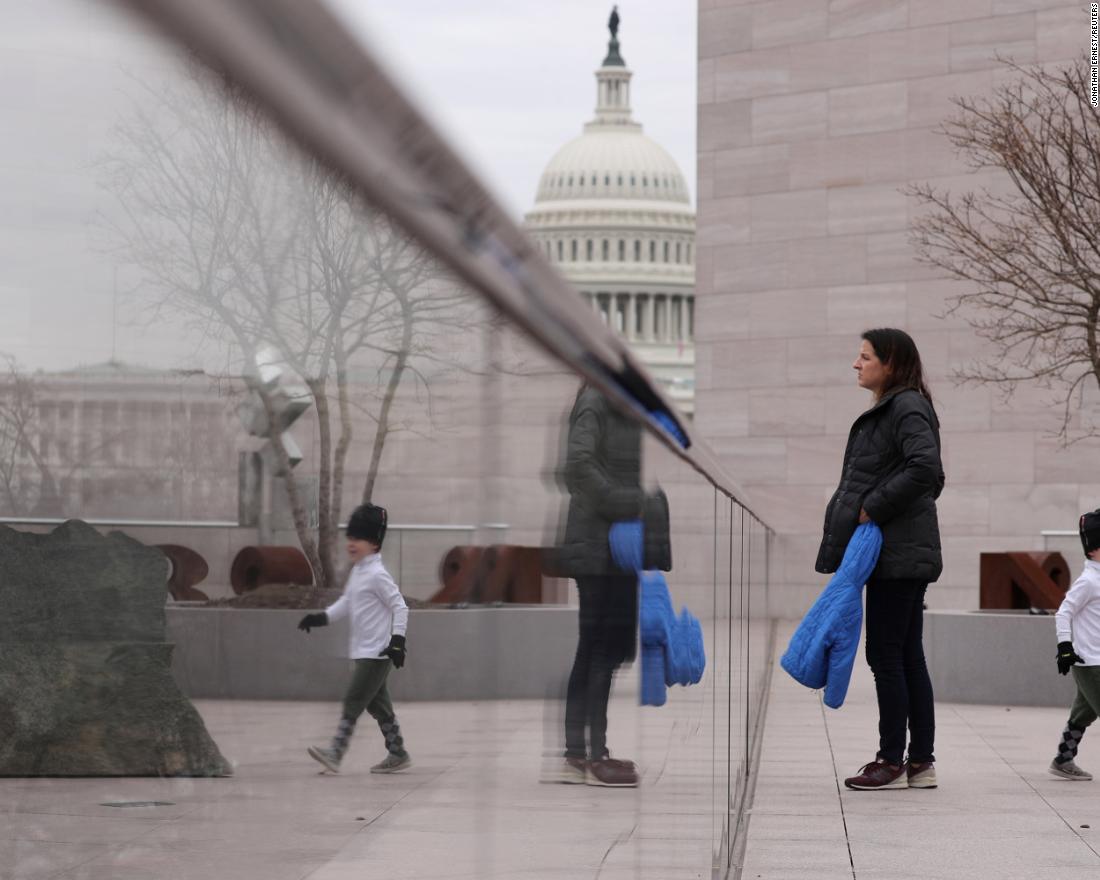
{"x":86,"y":687}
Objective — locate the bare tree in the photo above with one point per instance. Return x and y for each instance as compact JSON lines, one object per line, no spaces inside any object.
{"x":1031,"y":253}
{"x":238,"y":233}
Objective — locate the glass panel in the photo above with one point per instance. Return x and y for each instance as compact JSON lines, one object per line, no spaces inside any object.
{"x":215,"y":351}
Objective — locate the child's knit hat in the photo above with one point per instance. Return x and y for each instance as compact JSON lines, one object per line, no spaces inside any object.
{"x":368,"y":523}
{"x":1089,"y":528}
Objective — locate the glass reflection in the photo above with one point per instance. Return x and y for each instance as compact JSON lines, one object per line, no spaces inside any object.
{"x":214,"y":346}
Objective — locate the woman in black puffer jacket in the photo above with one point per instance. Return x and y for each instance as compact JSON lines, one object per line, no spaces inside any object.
{"x":892,"y":476}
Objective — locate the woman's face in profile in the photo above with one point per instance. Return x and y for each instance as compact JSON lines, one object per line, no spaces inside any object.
{"x":871,"y":373}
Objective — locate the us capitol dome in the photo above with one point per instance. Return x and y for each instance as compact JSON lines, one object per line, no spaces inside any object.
{"x":613,"y":212}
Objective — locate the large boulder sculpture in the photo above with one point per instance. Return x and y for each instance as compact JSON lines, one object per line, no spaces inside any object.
{"x":85,"y":681}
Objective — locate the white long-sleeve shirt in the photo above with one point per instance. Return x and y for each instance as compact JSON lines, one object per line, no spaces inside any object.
{"x":376,"y":608}
{"x":1078,"y":617}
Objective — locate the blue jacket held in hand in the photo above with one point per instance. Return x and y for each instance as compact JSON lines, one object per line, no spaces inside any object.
{"x":672,"y":647}
{"x":823,"y":648}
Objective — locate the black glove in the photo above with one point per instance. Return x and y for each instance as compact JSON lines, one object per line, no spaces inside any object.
{"x":1066,"y":657}
{"x":312,"y":620}
{"x":396,"y":650}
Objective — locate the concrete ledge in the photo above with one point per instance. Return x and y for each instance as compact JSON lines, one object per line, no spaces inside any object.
{"x":995,"y":658}
{"x":454,"y":654}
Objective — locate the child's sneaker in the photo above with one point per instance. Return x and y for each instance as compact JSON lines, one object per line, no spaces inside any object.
{"x":570,"y":771}
{"x":878,"y":775}
{"x":328,"y":758}
{"x":1070,"y":770}
{"x":392,"y":763}
{"x":921,"y":775}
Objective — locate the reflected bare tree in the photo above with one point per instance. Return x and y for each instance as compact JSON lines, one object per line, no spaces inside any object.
{"x":1032,"y":254}
{"x":27,"y":480}
{"x":236,"y":232}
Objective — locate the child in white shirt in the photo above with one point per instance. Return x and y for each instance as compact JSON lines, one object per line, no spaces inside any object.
{"x":1078,"y":626}
{"x":378,"y":621}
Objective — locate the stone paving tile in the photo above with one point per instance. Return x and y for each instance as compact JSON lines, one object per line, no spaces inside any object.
{"x":997,"y":813}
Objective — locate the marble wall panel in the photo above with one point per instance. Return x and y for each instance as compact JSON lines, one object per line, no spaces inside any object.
{"x":720,"y":317}
{"x":926,"y":12}
{"x":863,"y":109}
{"x":844,"y":402}
{"x":785,"y":22}
{"x":812,"y":461}
{"x":835,"y":260}
{"x":987,"y":457}
{"x":964,"y":510}
{"x":844,"y":161}
{"x":1061,"y":33}
{"x":749,"y":364}
{"x":1009,"y":7}
{"x":723,"y":221}
{"x":786,"y":411}
{"x":788,"y":118}
{"x":962,"y":407}
{"x":891,"y":257}
{"x":794,"y":509}
{"x":704,"y":269}
{"x":722,"y":413}
{"x":751,"y":74}
{"x":784,"y":216}
{"x":724,"y":30}
{"x":752,"y":170}
{"x":929,"y":99}
{"x":705,"y":81}
{"x":786,"y":314}
{"x":743,"y":268}
{"x":853,"y":209}
{"x":975,"y":44}
{"x":928,"y":301}
{"x":850,"y":18}
{"x":1027,"y":508}
{"x":725,"y":125}
{"x":1056,"y":463}
{"x":754,"y":460}
{"x":821,"y":360}
{"x":909,"y":53}
{"x":852,"y":309}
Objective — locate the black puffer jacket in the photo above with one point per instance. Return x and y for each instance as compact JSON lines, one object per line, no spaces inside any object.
{"x":603,"y":469}
{"x":892,"y":470}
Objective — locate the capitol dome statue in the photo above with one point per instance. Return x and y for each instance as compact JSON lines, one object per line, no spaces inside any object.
{"x":613,"y":212}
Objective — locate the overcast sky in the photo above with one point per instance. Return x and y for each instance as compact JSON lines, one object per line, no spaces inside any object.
{"x":510,"y":83}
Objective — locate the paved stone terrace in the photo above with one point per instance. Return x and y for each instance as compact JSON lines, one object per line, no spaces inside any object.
{"x":472,"y":808}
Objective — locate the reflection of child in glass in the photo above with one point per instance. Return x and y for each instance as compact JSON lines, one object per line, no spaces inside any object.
{"x":1078,"y":625}
{"x":378,"y":619}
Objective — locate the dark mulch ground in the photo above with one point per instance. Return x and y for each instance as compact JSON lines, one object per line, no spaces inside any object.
{"x":288,"y":596}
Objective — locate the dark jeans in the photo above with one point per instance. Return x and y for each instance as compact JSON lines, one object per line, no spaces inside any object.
{"x":608,"y":621}
{"x":895,"y":653}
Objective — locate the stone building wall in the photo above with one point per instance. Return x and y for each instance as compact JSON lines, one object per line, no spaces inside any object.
{"x":813,"y":114}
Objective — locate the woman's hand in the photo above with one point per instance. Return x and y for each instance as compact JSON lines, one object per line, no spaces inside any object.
{"x":863,"y":517}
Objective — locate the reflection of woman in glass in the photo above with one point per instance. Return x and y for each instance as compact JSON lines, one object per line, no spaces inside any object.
{"x":603,"y":475}
{"x":892,"y":476}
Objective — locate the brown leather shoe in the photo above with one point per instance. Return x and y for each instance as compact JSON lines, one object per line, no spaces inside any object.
{"x":612,"y":773}
{"x":877,"y":775}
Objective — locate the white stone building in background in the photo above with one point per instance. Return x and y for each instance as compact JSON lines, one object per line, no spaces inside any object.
{"x":814,"y":115}
{"x":614,"y":213}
